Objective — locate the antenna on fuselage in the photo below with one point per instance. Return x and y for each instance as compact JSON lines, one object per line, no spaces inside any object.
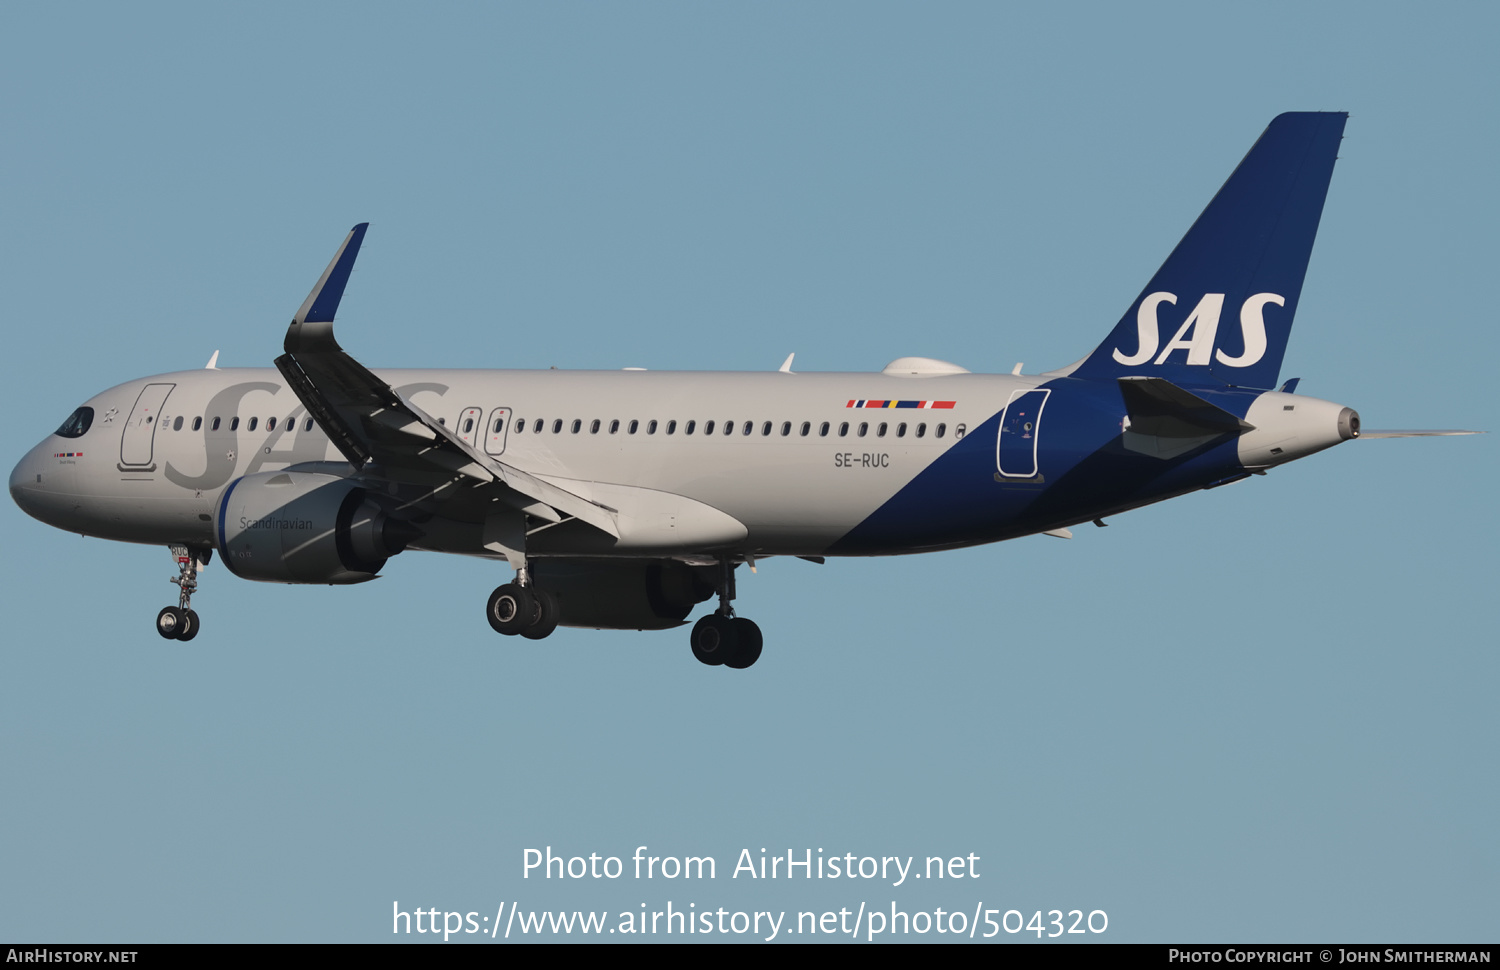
{"x":213,"y":362}
{"x":786,"y":365}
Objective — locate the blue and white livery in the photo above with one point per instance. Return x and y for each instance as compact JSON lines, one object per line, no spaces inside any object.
{"x":623,"y":499}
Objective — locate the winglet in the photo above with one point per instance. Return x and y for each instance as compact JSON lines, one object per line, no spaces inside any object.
{"x":323,"y":302}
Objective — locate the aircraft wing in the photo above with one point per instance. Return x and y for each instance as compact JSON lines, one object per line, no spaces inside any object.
{"x":378,"y":430}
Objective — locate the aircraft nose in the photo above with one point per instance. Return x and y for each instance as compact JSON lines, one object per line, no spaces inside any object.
{"x":19,"y":476}
{"x":27,"y":485}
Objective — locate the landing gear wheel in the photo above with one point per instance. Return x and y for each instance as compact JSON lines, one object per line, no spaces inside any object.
{"x":547,"y":615}
{"x":511,"y":609}
{"x":747,"y":644}
{"x":180,"y":622}
{"x":714,"y":639}
{"x":170,"y":622}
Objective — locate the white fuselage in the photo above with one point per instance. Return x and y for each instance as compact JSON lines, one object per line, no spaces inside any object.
{"x":783,"y":454}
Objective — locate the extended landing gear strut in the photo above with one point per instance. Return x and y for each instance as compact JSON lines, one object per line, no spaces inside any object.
{"x":517,"y":607}
{"x":180,"y":622}
{"x":723,"y":638}
{"x":521,"y":608}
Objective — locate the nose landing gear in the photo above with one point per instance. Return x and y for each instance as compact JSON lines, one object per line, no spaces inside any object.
{"x":180,"y":622}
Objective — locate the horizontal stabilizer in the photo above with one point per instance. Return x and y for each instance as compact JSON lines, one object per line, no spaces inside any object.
{"x":1158,"y":407}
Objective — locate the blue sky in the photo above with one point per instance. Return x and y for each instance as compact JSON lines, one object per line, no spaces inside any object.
{"x":1259,"y":713}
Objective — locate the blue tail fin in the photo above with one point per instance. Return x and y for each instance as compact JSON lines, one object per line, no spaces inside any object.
{"x":1219,"y":311}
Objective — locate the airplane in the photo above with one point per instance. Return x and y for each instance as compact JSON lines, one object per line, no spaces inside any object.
{"x":623,"y":499}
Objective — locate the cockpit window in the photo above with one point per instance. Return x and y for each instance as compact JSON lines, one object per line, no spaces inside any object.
{"x":77,"y":424}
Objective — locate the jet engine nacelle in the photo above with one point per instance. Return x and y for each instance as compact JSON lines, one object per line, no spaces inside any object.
{"x":305,"y":527}
{"x":636,"y":595}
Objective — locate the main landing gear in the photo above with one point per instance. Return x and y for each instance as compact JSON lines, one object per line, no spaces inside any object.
{"x":521,"y":608}
{"x":180,"y":622}
{"x":723,"y":638}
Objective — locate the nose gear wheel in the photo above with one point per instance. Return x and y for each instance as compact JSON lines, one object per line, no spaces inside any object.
{"x":180,"y":622}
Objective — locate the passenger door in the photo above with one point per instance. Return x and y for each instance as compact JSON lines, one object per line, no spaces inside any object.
{"x":140,"y":428}
{"x":1020,"y":424}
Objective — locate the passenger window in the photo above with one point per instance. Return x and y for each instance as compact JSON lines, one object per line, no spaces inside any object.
{"x":614,"y":426}
{"x":291,"y":422}
{"x":921,"y":430}
{"x":557,"y":426}
{"x":177,"y":423}
{"x":253,"y":423}
{"x":958,"y":431}
{"x":823,"y":430}
{"x":863,"y":427}
{"x":765,"y":428}
{"x":520,"y":426}
{"x":634,"y":425}
{"x":689,"y":428}
{"x":749,"y":427}
{"x":671,"y":427}
{"x":708,"y":427}
{"x":901,"y":430}
{"x":806,"y":427}
{"x":651,"y":426}
{"x":577,"y":425}
{"x":729,"y":427}
{"x":500,"y":425}
{"x":270,"y":423}
{"x":214,"y":426}
{"x":940,"y":431}
{"x":197,"y":422}
{"x":843,"y":429}
{"x":443,"y":422}
{"x":537,"y":427}
{"x":234,"y":423}
{"x":594,"y":426}
{"x":306,"y":427}
{"x":786,"y":428}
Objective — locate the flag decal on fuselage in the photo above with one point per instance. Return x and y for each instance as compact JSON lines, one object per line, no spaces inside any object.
{"x":900,"y":404}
